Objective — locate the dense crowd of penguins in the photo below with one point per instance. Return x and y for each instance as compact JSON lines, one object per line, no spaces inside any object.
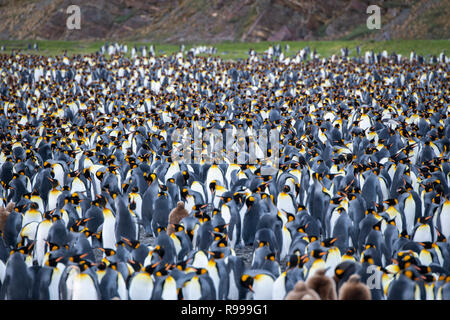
{"x":360,"y":197}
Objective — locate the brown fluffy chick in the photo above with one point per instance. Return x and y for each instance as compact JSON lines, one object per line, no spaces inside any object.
{"x":4,"y":213}
{"x":175,"y":216}
{"x":302,"y":292}
{"x":354,"y":289}
{"x":323,"y":285}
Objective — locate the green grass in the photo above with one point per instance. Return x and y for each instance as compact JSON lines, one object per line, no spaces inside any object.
{"x":237,"y":50}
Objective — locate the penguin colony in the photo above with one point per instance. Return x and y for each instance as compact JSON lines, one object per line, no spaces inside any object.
{"x":360,"y":199}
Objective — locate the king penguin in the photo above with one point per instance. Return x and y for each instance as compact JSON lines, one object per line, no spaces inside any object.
{"x":259,"y":283}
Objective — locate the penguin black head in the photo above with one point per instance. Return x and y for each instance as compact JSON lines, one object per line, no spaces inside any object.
{"x":250,"y":201}
{"x":23,"y":249}
{"x":215,"y":212}
{"x":53,"y":262}
{"x":405,"y":260}
{"x":162,"y":194}
{"x":132,"y":205}
{"x":317,"y":253}
{"x":159,"y":250}
{"x":73,"y":174}
{"x":204,"y":218}
{"x":440,"y":237}
{"x":424,"y":220}
{"x":336,"y":200}
{"x":200,"y":271}
{"x":54,"y":183}
{"x":427,"y":244}
{"x":328,"y":243}
{"x":410,"y":274}
{"x":423,"y":269}
{"x":350,"y":251}
{"x":151,"y":268}
{"x":52,"y":246}
{"x":368,"y":259}
{"x":217,"y":254}
{"x":108,"y":252}
{"x":75,"y":199}
{"x":48,"y":215}
{"x":212,"y":186}
{"x":377,"y":226}
{"x":294,"y":260}
{"x":34,"y":206}
{"x":391,"y":202}
{"x":247,"y":282}
{"x":178,"y":227}
{"x":163,"y":271}
{"x":79,"y":258}
{"x":290,"y":217}
{"x":270,"y":257}
{"x":404,"y":234}
{"x":136,"y":265}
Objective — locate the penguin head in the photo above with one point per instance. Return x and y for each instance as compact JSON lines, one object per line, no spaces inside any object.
{"x":424,"y":220}
{"x":212,"y":186}
{"x":133,"y":244}
{"x":404,"y":234}
{"x":159,"y":250}
{"x":178,"y":227}
{"x":136,"y":265}
{"x":367,"y":258}
{"x":184,"y":193}
{"x":182,"y":265}
{"x":150,"y":269}
{"x":108,"y":252}
{"x":52,"y":246}
{"x":311,"y":239}
{"x":204,"y":218}
{"x":25,"y":250}
{"x":377,"y":226}
{"x":247,"y":282}
{"x":75,"y":199}
{"x":427,"y":245}
{"x":294,"y":260}
{"x":216,"y":254}
{"x":53,"y":261}
{"x":48,"y":215}
{"x":270,"y":257}
{"x":317,"y":253}
{"x":161,"y":272}
{"x":250,"y":201}
{"x":180,"y":205}
{"x":34,"y":206}
{"x":54,"y":183}
{"x":161,"y":229}
{"x":79,"y":258}
{"x":185,"y":175}
{"x":354,"y":289}
{"x":197,"y":271}
{"x":440,"y":237}
{"x":410,"y":274}
{"x":162,"y":194}
{"x":423,"y":270}
{"x":391,"y":202}
{"x":405,"y":259}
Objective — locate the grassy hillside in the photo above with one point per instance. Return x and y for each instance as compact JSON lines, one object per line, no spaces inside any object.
{"x":215,"y":21}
